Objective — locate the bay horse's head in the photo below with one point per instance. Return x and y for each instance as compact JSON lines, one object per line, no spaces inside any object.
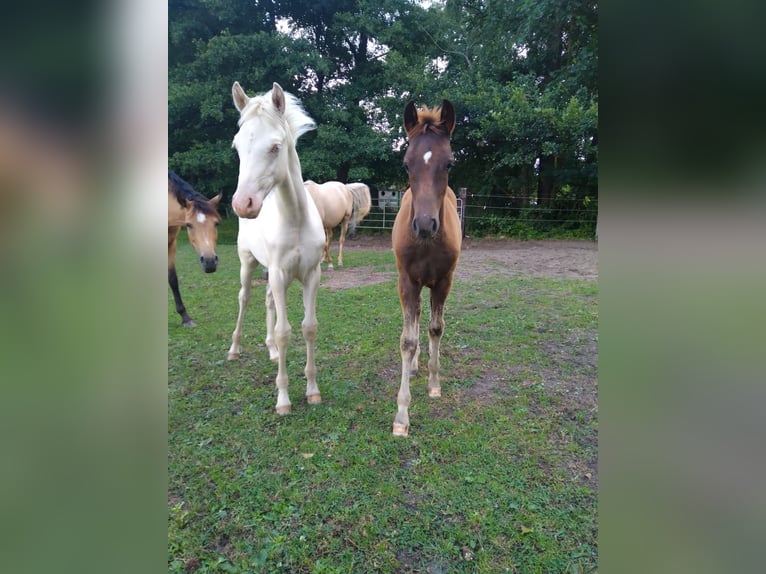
{"x":202,"y":220}
{"x":269,"y":125}
{"x":428,"y":160}
{"x":200,"y":217}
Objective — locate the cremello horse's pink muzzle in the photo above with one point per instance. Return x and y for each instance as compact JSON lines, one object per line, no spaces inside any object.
{"x":246,"y":205}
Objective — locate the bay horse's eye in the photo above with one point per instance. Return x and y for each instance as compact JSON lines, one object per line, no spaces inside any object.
{"x":188,"y":226}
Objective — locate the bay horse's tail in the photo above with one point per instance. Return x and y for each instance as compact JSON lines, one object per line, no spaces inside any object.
{"x":361,"y":204}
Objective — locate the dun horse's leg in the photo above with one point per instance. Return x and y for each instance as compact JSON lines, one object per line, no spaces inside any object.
{"x":435,"y":330}
{"x":409,"y":296}
{"x":309,"y":326}
{"x":247,"y":265}
{"x":282,"y":331}
{"x":173,"y":280}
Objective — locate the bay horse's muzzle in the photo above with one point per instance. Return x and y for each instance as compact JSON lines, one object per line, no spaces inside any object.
{"x":425,"y":226}
{"x":209,"y":264}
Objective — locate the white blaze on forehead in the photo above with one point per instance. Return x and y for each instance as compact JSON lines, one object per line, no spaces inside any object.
{"x":427,"y":156}
{"x":201,"y":217}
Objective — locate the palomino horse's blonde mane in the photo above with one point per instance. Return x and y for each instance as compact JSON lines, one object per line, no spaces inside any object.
{"x":296,"y":118}
{"x":429,"y":119}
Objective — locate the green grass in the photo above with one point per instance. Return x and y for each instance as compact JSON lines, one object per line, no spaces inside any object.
{"x":491,"y":479}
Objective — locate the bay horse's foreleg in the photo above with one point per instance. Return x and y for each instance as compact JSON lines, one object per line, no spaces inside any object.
{"x":173,"y":280}
{"x":282,"y":330}
{"x":309,"y":327}
{"x":409,"y":296}
{"x":248,"y":264}
{"x":435,"y":331}
{"x":327,"y":240}
{"x":342,"y":240}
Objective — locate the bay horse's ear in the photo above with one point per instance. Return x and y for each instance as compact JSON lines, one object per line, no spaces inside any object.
{"x":278,"y":98}
{"x":448,"y":116}
{"x":410,"y":116}
{"x":239,"y":95}
{"x":216,"y":199}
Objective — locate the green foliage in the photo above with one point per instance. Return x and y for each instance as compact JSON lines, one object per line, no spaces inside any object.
{"x":522,"y":75}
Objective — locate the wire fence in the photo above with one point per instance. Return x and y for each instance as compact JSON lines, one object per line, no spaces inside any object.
{"x":505,"y":215}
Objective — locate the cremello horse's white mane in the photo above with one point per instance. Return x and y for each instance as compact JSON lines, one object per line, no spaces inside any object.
{"x":295,"y":116}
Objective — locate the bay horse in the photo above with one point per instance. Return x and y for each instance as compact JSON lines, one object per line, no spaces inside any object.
{"x":338,"y":204}
{"x":199,"y":215}
{"x":279,"y":226}
{"x":426,"y":239}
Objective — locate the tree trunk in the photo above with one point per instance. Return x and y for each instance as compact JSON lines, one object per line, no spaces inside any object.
{"x":545,"y":181}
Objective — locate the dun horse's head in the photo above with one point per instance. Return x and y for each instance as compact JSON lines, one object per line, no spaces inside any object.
{"x":268,"y":127}
{"x":202,"y":229}
{"x":428,"y":160}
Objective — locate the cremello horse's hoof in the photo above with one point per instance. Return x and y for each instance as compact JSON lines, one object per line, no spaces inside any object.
{"x":401,"y":430}
{"x":284,"y":410}
{"x":314,"y":399}
{"x":232,"y":356}
{"x":437,"y":392}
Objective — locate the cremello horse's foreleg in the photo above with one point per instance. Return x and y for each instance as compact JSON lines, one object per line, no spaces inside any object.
{"x":248,"y":264}
{"x":271,"y":319}
{"x":282,"y":330}
{"x":409,"y":295}
{"x":309,"y":326}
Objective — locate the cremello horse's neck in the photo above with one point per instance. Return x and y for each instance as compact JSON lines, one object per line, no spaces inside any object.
{"x":290,"y":193}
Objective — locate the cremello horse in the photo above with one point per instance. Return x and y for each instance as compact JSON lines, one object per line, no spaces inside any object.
{"x":279,"y":225}
{"x":199,"y":215}
{"x":426,"y":239}
{"x":339,"y":204}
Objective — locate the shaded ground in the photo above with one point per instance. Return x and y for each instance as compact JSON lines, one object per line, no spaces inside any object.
{"x":558,"y":259}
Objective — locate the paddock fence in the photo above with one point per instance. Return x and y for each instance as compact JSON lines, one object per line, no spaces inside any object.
{"x":492,"y":215}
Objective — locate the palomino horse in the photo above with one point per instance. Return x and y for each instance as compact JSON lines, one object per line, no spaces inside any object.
{"x":426,"y":239}
{"x":189,"y":208}
{"x":338,"y":204}
{"x":279,"y":225}
{"x":362,"y":204}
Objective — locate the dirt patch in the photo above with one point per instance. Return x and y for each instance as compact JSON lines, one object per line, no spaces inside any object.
{"x":349,"y":277}
{"x":507,"y":257}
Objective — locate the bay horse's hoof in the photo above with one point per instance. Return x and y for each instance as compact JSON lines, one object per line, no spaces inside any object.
{"x":314,"y":399}
{"x":435,"y":392}
{"x":232,"y":356}
{"x":189,"y":323}
{"x":284,"y":410}
{"x":401,"y":430}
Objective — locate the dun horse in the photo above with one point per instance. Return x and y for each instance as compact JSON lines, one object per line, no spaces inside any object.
{"x":338,"y":204}
{"x":189,"y":208}
{"x":279,"y":226}
{"x":426,"y":240}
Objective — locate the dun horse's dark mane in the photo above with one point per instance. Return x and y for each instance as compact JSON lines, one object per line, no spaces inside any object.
{"x":429,"y":120}
{"x":183,"y":192}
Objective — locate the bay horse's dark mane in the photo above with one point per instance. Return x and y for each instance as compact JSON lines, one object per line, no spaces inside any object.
{"x":429,"y":120}
{"x":184,"y":192}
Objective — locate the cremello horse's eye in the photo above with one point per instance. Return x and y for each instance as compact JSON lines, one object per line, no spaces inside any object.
{"x":274,"y":150}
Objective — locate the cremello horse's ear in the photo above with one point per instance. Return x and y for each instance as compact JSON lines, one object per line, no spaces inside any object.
{"x":278,"y":98}
{"x":239,"y":95}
